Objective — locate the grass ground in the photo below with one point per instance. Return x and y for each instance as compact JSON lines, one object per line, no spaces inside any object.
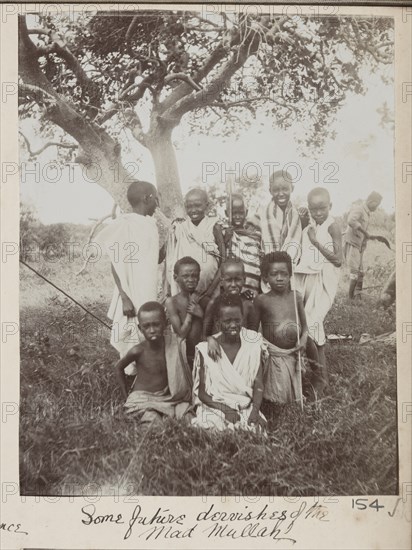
{"x":74,"y":437}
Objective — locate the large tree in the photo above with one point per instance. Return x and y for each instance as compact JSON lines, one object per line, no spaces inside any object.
{"x":95,"y":76}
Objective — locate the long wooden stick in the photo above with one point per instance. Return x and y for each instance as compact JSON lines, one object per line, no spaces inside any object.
{"x":299,"y":364}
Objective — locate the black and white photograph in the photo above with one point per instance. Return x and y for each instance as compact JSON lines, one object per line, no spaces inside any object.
{"x":207,"y":253}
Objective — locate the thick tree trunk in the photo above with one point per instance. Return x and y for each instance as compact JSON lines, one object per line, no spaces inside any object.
{"x":167,"y":174}
{"x":99,"y":153}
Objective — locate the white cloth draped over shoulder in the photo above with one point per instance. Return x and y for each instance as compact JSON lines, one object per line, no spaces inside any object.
{"x":132,"y":243}
{"x":227,"y":383}
{"x":317,"y":279}
{"x":198,"y":242}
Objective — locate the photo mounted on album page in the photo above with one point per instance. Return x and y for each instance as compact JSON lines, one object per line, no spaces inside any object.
{"x":206,"y":249}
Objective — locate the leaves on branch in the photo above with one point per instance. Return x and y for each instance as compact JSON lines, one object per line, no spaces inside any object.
{"x":170,"y":64}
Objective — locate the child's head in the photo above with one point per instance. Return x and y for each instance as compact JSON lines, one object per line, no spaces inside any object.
{"x":373,"y":201}
{"x":229,"y":312}
{"x":239,"y":211}
{"x":319,"y":204}
{"x":196,"y":203}
{"x":186,"y":273}
{"x":143,"y":195}
{"x":281,"y":187}
{"x":276,"y":271}
{"x":152,"y":321}
{"x":232,"y":276}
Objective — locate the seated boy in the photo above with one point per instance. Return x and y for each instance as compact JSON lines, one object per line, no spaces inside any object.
{"x":185,"y":308}
{"x":232,"y":280}
{"x":243,"y":244}
{"x":317,"y":274}
{"x":199,"y":237}
{"x":150,"y":396}
{"x":228,"y":393}
{"x":285,"y":334}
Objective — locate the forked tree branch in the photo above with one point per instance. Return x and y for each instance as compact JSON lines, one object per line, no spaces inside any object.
{"x":45,"y":146}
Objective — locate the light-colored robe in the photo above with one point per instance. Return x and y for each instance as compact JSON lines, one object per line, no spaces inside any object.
{"x":231,"y":384}
{"x":317,"y":280}
{"x":198,"y":242}
{"x":132,"y":243}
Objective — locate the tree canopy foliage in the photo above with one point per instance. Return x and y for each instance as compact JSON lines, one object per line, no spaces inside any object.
{"x":99,"y":76}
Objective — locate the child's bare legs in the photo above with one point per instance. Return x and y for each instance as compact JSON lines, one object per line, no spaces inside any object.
{"x":317,"y":360}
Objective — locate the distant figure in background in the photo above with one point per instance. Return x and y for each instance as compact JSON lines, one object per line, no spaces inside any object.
{"x":243,"y":244}
{"x":152,"y":396}
{"x":278,"y":221}
{"x":356,"y":238}
{"x":317,"y":276}
{"x":132,"y":244}
{"x":199,"y":237}
{"x":388,"y":294}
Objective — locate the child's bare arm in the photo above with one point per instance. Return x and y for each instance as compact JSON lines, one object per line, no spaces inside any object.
{"x":335,"y":232}
{"x":132,"y":355}
{"x":334,"y":256}
{"x":207,"y":330}
{"x":302,"y":320}
{"x":251,"y":320}
{"x":208,"y":320}
{"x":128,"y":307}
{"x":182,"y":329}
{"x":255,"y":317}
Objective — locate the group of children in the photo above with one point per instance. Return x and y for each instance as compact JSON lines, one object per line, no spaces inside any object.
{"x":246,"y":304}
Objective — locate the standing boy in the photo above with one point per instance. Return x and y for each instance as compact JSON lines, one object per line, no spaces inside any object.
{"x":279,"y":221}
{"x":243,"y":244}
{"x":282,"y":315}
{"x":356,"y":238}
{"x":150,"y":396}
{"x":132,"y":244}
{"x":199,"y":237}
{"x":228,"y":391}
{"x":317,"y":274}
{"x":185,"y":309}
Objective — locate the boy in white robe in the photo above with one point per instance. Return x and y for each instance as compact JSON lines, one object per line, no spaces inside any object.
{"x":228,"y":392}
{"x":132,"y":243}
{"x":199,"y":237}
{"x":317,"y":274}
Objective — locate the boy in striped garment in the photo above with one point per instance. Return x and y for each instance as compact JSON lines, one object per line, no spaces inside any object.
{"x":278,"y":221}
{"x":243,"y":245}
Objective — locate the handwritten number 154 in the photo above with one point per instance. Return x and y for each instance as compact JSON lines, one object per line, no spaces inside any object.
{"x":363,"y":504}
